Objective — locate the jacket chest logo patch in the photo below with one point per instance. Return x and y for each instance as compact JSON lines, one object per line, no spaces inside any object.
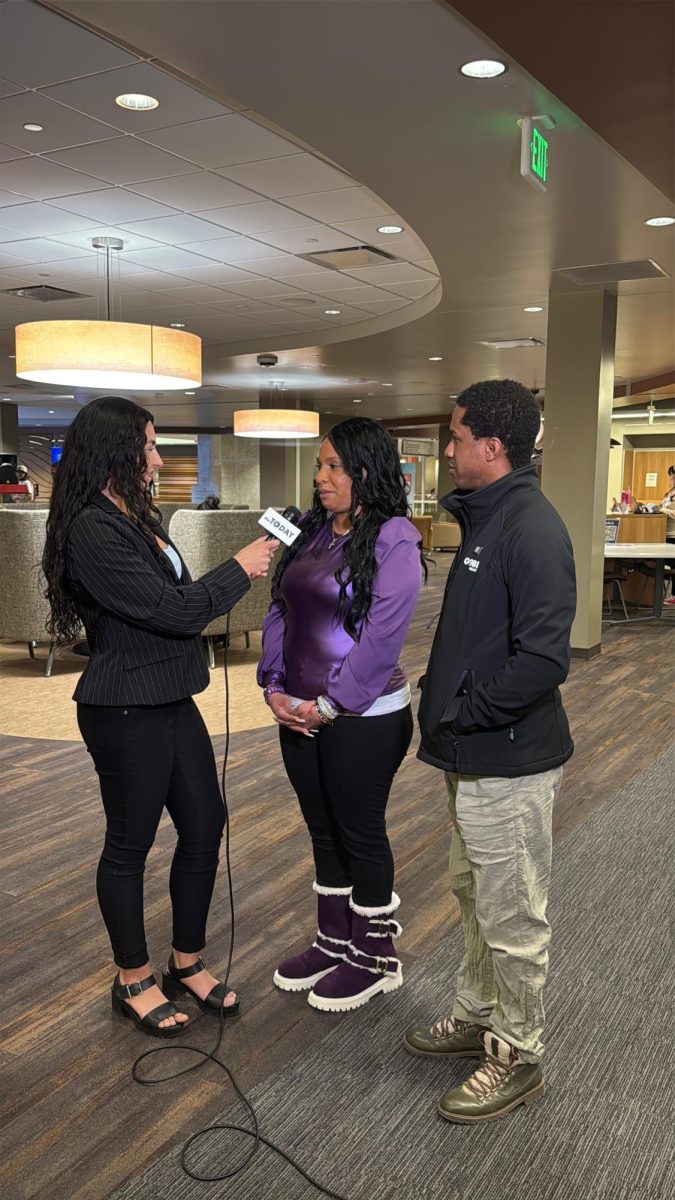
{"x":472,"y":563}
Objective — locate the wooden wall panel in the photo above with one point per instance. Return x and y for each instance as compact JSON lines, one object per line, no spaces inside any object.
{"x":651,"y":461}
{"x":177,"y":479}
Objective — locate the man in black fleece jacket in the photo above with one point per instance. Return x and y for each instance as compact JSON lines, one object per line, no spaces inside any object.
{"x":492,"y":719}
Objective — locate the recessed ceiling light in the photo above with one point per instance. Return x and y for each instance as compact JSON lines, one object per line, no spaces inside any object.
{"x":177,"y":325}
{"x":534,"y":308}
{"x":332,"y":312}
{"x":390,"y":229}
{"x":11,"y":355}
{"x":51,"y":412}
{"x":408,"y":410}
{"x":357,"y":402}
{"x":31,"y":128}
{"x":137,"y":102}
{"x":483,"y":68}
{"x":657,"y":221}
{"x":435,"y":358}
{"x":190,"y":393}
{"x":387,"y":385}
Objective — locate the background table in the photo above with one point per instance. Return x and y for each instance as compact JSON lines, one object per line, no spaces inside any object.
{"x":656,"y":552}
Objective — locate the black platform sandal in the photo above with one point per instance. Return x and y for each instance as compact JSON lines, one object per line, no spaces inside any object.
{"x":173,"y":985}
{"x":121,"y":993}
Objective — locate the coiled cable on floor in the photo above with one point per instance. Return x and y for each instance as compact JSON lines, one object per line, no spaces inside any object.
{"x":206,"y":1056}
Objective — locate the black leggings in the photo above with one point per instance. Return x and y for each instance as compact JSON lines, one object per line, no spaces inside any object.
{"x":148,"y":759}
{"x":342,"y":778}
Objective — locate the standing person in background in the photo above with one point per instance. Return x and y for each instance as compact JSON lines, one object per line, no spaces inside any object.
{"x":491,"y":717}
{"x":668,"y":507}
{"x":110,"y":566}
{"x":343,"y":597}
{"x":24,"y":479}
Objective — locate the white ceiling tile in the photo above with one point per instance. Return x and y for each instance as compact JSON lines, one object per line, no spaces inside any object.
{"x":427,"y":264}
{"x":95,"y":94}
{"x":166,"y":258}
{"x":294,"y":175}
{"x":255,"y":218}
{"x":308,"y":239}
{"x":389,"y":273}
{"x":10,"y":262}
{"x":123,"y":160}
{"x":8,"y":88}
{"x":245,"y":304}
{"x":302,"y":323}
{"x":74,"y":272}
{"x":114,"y":205}
{"x":44,"y":180}
{"x":388,"y":305}
{"x":234,"y":249}
{"x":41,"y":250}
{"x":416,"y":289}
{"x":284,"y":264}
{"x":201,"y":293}
{"x":221,"y":141}
{"x":356,"y":295}
{"x":176,"y":230}
{"x":44,"y":48}
{"x":259,"y":288}
{"x":215,"y":273}
{"x":11,"y":198}
{"x":41,"y":220}
{"x":7,"y":234}
{"x":61,"y":126}
{"x":200,"y":190}
{"x":324,"y":281}
{"x":345,"y":204}
{"x":10,"y":153}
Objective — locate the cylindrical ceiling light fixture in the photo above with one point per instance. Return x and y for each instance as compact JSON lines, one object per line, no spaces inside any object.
{"x":276,"y":423}
{"x":108,"y":354}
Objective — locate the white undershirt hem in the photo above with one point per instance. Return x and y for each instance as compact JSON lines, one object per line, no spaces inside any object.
{"x":393,"y":702}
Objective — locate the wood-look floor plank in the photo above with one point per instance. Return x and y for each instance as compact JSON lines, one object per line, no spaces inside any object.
{"x":75,"y":1124}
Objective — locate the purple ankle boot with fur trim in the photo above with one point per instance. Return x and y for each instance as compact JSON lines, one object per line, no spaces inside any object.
{"x":370,"y":965}
{"x":328,"y":949}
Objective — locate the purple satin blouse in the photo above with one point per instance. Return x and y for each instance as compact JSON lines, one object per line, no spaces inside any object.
{"x":304,"y":649}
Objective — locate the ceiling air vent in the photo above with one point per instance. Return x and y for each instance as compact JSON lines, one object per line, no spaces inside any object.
{"x":44,"y":294}
{"x":351,"y":257}
{"x":599,"y":273}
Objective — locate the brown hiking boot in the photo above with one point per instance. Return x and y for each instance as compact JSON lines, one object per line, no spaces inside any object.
{"x":449,"y":1037}
{"x":499,"y":1084}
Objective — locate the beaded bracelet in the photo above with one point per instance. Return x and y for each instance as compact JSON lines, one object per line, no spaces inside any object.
{"x":271,"y":689}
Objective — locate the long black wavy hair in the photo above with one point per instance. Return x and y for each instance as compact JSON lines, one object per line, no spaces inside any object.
{"x":105,"y":444}
{"x":369,"y":457}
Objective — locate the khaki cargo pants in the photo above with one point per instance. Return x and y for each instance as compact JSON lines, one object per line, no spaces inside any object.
{"x":500,"y":867}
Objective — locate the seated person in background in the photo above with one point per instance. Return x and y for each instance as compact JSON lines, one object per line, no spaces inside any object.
{"x":209,"y":504}
{"x":23,"y":479}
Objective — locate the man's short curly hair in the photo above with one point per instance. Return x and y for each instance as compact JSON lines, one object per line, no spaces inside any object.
{"x":505,"y":409}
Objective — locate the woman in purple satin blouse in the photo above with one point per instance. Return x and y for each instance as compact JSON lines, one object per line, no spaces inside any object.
{"x":343,"y":597}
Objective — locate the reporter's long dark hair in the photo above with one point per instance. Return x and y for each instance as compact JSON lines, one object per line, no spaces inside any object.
{"x":370,"y":458}
{"x":105,"y":443}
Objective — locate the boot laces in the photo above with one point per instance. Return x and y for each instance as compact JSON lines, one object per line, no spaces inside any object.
{"x":488,"y":1077}
{"x":448,"y":1025}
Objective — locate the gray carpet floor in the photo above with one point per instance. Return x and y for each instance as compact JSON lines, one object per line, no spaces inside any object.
{"x":360,"y":1113}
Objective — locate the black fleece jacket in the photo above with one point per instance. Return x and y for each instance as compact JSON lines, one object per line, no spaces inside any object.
{"x":490,"y":701}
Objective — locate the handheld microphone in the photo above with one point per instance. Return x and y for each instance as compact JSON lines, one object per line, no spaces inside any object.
{"x":283,"y":527}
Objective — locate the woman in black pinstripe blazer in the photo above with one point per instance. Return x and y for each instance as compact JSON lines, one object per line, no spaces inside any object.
{"x":110,"y":565}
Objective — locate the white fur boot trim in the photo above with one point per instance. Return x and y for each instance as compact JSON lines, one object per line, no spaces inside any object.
{"x":376,"y":912}
{"x":327,"y":891}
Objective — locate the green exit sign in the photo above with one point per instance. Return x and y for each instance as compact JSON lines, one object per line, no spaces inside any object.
{"x":535,"y":151}
{"x":539,"y":155}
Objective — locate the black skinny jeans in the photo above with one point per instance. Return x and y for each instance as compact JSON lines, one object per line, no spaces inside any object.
{"x":342,"y":778}
{"x":148,"y":759}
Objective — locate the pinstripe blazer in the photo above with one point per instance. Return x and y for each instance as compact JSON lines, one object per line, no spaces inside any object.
{"x":142,"y":624}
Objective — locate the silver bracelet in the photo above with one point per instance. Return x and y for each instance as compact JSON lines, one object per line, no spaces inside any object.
{"x":327,"y":711}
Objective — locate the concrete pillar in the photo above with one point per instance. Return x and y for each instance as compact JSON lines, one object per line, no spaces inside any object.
{"x":575,"y":468}
{"x":9,"y":428}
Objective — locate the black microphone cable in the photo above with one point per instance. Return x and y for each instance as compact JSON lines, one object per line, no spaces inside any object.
{"x":206,"y":1056}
